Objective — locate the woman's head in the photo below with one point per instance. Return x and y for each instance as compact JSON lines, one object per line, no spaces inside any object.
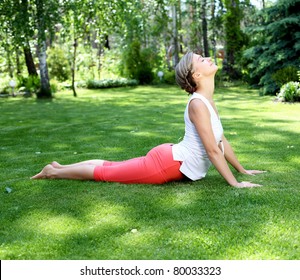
{"x":183,"y":73}
{"x":192,"y":69}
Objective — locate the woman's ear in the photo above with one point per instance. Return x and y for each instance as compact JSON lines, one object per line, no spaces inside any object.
{"x":197,"y":75}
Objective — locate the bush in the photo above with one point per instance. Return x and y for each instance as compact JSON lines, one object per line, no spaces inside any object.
{"x":30,"y":84}
{"x":290,"y":92}
{"x":59,"y":66}
{"x":55,"y":86}
{"x":108,"y":83}
{"x":169,"y":77}
{"x":5,"y":91}
{"x":136,"y":65}
{"x":285,"y":75}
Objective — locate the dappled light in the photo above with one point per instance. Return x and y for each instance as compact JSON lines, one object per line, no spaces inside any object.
{"x":207,"y":219}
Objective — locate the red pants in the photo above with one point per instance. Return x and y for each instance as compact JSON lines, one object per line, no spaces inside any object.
{"x":157,"y":167}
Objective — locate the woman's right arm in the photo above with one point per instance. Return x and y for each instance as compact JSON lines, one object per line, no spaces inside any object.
{"x":200,"y":117}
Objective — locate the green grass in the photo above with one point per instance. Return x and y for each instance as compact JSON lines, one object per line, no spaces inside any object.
{"x":207,"y":219}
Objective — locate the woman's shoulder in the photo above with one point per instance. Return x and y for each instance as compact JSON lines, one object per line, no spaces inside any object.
{"x":197,"y":104}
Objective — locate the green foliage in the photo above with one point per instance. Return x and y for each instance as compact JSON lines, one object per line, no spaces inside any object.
{"x":135,"y":64}
{"x":235,"y":38}
{"x":290,"y":92}
{"x":58,"y":64}
{"x":285,"y":75}
{"x":4,"y":83}
{"x":55,"y":86}
{"x":109,"y":83}
{"x":169,"y":77}
{"x":5,"y":90}
{"x":30,"y":84}
{"x":275,"y":44}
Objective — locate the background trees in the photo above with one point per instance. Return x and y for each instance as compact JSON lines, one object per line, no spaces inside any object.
{"x":273,"y":57}
{"x":95,"y":39}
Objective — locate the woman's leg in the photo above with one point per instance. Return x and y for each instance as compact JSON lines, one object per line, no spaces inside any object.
{"x":157,"y":167}
{"x":95,"y":162}
{"x":77,"y":172}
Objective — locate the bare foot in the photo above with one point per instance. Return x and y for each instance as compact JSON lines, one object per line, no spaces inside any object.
{"x":55,"y":164}
{"x":46,"y":173}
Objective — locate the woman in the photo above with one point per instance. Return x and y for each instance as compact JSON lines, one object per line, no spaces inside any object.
{"x":204,"y":142}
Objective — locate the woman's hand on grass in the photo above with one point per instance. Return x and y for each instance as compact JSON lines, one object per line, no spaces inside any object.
{"x":246,"y":185}
{"x":253,"y":172}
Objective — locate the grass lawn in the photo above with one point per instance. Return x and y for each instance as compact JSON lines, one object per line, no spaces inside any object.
{"x":207,"y":219}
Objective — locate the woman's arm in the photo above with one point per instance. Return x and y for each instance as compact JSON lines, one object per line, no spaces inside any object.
{"x":200,"y":117}
{"x":230,"y":156}
{"x":232,"y":159}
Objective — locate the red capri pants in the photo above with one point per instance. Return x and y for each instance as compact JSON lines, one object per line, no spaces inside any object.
{"x":157,"y":167}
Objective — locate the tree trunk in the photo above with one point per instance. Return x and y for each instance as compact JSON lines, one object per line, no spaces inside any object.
{"x":180,"y":26}
{"x":29,"y":61}
{"x":204,"y":28}
{"x":234,"y":39}
{"x":74,"y":67}
{"x":175,"y":36}
{"x":26,"y":48}
{"x":99,"y":60}
{"x":213,"y":41}
{"x":9,"y":64}
{"x":45,"y":90}
{"x":18,"y":64}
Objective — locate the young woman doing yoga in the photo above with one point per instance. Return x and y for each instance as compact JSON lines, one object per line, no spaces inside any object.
{"x":203,"y":144}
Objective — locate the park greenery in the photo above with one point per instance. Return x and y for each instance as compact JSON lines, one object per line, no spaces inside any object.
{"x":207,"y":219}
{"x":108,"y":55}
{"x":49,"y":45}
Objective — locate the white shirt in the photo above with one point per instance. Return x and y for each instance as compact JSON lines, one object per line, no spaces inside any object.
{"x":191,"y":151}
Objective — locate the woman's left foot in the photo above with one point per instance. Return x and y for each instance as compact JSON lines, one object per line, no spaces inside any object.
{"x":55,"y":164}
{"x":46,"y":173}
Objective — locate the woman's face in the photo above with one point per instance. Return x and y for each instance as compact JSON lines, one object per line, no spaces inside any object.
{"x":203,"y":65}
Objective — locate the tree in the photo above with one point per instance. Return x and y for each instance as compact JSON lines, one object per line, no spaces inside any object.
{"x":25,"y":28}
{"x":17,"y":31}
{"x":175,"y":35}
{"x":274,"y":45}
{"x":45,"y":12}
{"x":235,"y":39}
{"x":204,"y":28}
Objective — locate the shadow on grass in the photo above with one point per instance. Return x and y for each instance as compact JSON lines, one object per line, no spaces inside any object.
{"x":87,"y":220}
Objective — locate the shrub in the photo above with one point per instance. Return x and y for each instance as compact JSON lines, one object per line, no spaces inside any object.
{"x":59,"y":66}
{"x":108,"y":83}
{"x":135,"y":64}
{"x":5,"y":91}
{"x":285,"y":75}
{"x":55,"y":86}
{"x":290,"y":92}
{"x":30,"y":84}
{"x":169,"y":77}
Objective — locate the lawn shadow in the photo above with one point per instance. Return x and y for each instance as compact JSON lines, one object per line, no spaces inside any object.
{"x":88,"y":220}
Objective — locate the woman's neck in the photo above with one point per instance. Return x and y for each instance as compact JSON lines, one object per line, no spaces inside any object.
{"x":206,"y":88}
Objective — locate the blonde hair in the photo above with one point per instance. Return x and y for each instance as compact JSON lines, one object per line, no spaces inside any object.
{"x":183,"y":73}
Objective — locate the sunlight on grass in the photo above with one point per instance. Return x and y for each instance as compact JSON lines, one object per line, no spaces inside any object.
{"x":50,"y":224}
{"x":207,"y":219}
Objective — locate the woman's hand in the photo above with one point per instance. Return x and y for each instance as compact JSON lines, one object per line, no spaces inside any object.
{"x":253,"y":172}
{"x":246,"y":185}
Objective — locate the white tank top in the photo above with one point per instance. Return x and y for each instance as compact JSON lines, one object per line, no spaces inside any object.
{"x":191,"y":151}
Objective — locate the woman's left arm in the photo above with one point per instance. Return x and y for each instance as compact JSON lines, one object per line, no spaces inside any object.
{"x":232,"y":159}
